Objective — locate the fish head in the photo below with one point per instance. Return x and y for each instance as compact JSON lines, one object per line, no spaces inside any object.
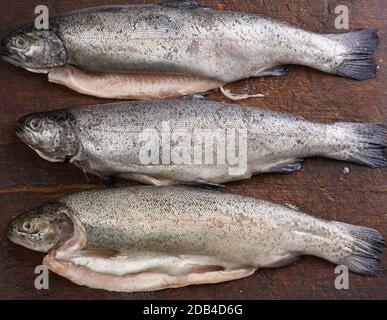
{"x":50,"y":134}
{"x":35,"y":50}
{"x":42,"y":229}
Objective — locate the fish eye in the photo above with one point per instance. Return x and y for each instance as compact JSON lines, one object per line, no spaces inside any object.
{"x":27,"y":227}
{"x":35,"y":123}
{"x":20,"y":42}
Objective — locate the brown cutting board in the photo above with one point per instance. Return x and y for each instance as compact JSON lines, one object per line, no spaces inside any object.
{"x":320,"y":188}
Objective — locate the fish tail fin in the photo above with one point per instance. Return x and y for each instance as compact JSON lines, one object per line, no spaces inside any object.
{"x":359,"y":249}
{"x":362,"y":143}
{"x":358,"y":62}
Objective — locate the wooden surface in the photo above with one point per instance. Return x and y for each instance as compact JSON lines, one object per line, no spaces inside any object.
{"x":320,"y":188}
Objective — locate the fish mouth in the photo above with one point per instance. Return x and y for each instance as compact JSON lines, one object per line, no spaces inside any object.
{"x":10,"y":55}
{"x":6,"y":56}
{"x":10,"y":233}
{"x":13,"y":236}
{"x":20,"y":240}
{"x":14,"y":239}
{"x":3,"y":49}
{"x":19,"y":130}
{"x":22,"y":134}
{"x":29,"y":140}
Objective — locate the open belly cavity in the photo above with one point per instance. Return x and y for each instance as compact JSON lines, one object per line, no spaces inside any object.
{"x":136,"y":271}
{"x":136,"y":86}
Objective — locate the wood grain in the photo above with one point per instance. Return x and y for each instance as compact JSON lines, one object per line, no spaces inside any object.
{"x":320,"y":188}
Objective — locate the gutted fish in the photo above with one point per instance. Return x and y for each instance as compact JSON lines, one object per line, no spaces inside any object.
{"x":133,"y":86}
{"x":149,"y":238}
{"x":194,"y":140}
{"x":215,"y":47}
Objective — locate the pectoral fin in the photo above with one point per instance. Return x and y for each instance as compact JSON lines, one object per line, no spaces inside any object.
{"x":238,"y":96}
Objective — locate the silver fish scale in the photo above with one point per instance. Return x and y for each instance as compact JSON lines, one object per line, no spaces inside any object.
{"x":178,"y":220}
{"x":223,"y":45}
{"x":110,"y":141}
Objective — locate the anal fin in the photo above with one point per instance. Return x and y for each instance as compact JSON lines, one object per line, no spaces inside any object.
{"x":108,"y":181}
{"x":274,"y":72}
{"x":282,"y":261}
{"x":209,"y":183}
{"x":291,"y":166}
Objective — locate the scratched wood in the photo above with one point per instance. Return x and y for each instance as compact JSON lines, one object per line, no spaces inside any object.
{"x":320,"y":188}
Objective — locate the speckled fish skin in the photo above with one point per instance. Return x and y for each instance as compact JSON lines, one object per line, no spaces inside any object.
{"x":230,"y":227}
{"x":167,"y":39}
{"x":189,"y":236}
{"x":223,"y":45}
{"x":220,"y":45}
{"x":105,"y":139}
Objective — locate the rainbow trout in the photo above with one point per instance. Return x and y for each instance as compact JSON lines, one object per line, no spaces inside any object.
{"x":194,"y":141}
{"x":149,"y":238}
{"x":211,"y":46}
